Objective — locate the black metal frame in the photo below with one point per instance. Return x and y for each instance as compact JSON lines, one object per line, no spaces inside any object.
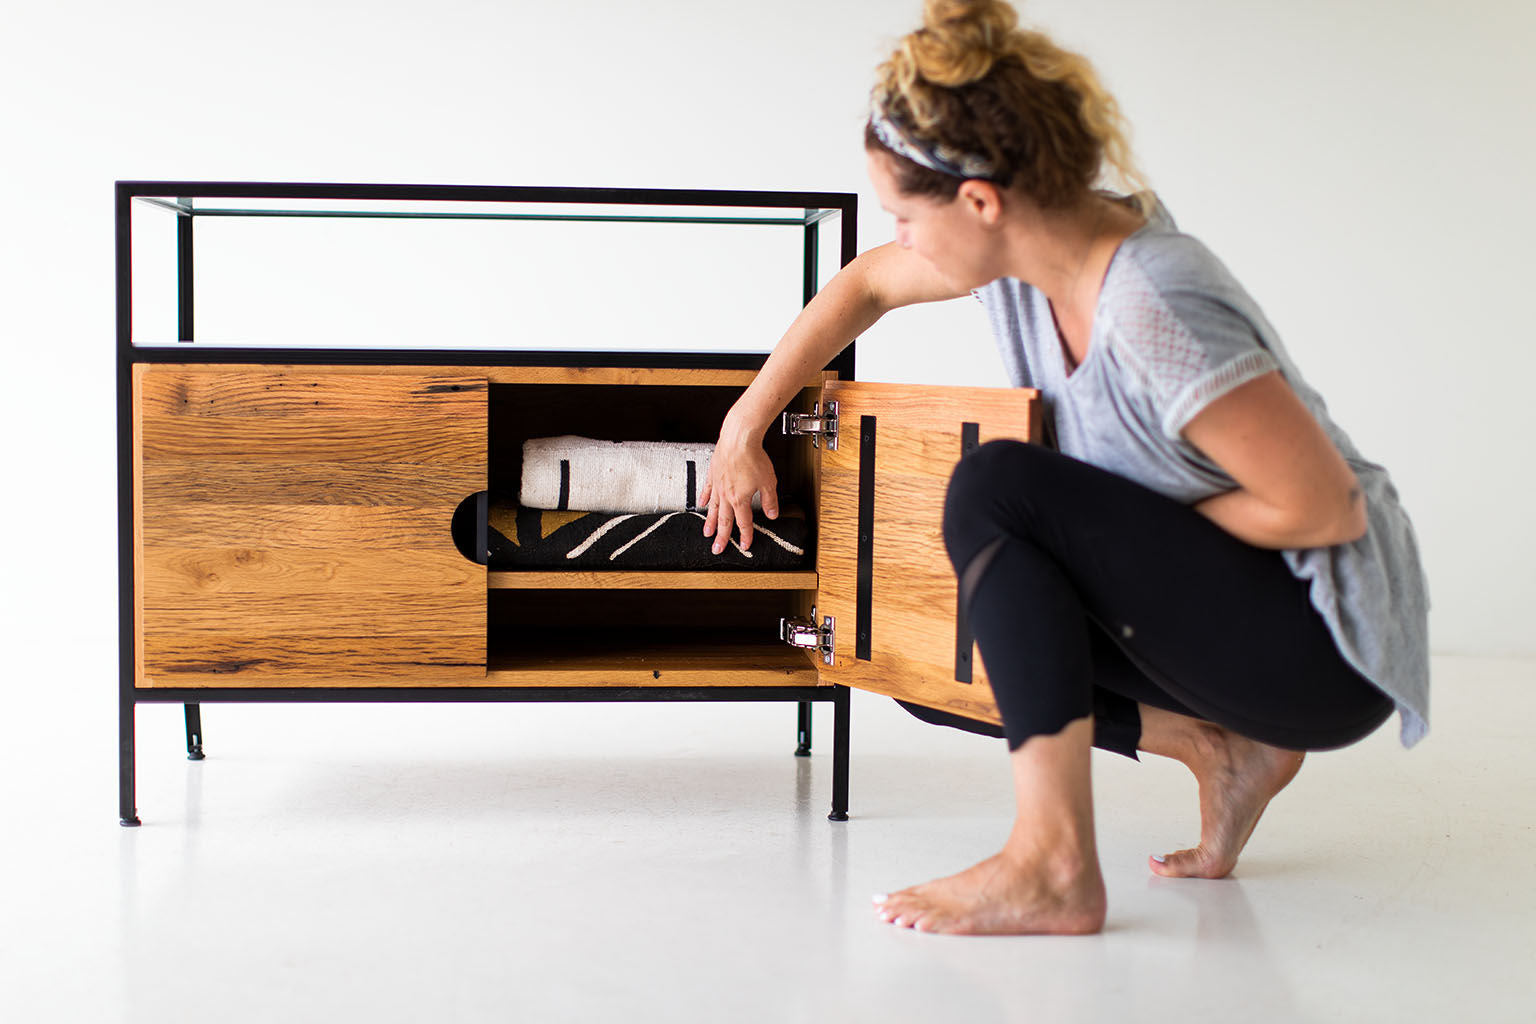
{"x":130,"y":695}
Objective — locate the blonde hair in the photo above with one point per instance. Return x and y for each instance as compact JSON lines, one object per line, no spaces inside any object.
{"x":971,"y":81}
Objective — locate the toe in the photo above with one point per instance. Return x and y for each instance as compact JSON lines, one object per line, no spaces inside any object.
{"x":906,"y":910}
{"x":893,"y":909}
{"x":1196,"y":863}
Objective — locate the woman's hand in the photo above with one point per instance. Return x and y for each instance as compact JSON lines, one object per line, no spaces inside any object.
{"x":738,"y":469}
{"x":882,"y":279}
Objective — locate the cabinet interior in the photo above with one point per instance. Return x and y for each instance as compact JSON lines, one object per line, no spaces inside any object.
{"x":585,"y":627}
{"x":651,"y":412}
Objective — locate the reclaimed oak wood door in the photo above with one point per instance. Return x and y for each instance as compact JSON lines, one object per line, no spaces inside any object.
{"x":292,"y":526}
{"x":896,"y":625}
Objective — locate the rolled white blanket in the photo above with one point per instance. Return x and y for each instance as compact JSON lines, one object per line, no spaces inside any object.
{"x":613,"y":476}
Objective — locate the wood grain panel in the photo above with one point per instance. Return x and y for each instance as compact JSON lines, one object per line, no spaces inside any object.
{"x":252,"y":658}
{"x":293,"y":526}
{"x":333,"y":527}
{"x":914,"y":596}
{"x":387,"y":611}
{"x":655,"y":663}
{"x":788,"y":579}
{"x":185,"y":572}
{"x":307,"y":395}
{"x":185,"y":481}
{"x":609,"y":375}
{"x":294,"y":440}
{"x":620,"y":376}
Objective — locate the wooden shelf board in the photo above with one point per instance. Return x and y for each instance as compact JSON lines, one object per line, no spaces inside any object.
{"x":652,"y":663}
{"x":659,"y":580}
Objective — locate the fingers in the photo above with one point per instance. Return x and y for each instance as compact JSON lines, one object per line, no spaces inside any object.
{"x":725,"y":516}
{"x":744,"y":523}
{"x":704,"y":503}
{"x":768,"y":489}
{"x":726,"y":509}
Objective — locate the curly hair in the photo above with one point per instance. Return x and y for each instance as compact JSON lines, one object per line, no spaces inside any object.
{"x":972,"y":81}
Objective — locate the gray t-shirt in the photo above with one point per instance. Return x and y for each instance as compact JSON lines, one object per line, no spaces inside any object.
{"x":1173,"y":332}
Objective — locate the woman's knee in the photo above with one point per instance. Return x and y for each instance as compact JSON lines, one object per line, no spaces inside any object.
{"x":984,"y":495}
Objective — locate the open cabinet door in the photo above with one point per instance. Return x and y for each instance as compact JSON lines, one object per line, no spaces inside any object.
{"x":885,"y":579}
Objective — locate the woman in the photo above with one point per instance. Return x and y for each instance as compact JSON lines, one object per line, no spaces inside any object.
{"x":1207,"y":569}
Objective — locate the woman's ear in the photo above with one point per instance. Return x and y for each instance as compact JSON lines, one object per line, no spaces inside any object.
{"x":982,"y":198}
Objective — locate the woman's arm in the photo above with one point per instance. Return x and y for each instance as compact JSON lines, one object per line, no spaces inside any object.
{"x":1294,"y":488}
{"x":860,"y":294}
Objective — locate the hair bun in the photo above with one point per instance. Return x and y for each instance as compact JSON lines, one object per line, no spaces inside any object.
{"x":975,"y":89}
{"x":960,"y":40}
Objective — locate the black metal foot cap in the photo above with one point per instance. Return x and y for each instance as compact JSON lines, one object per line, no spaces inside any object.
{"x":130,"y":822}
{"x":802,"y":751}
{"x":838,"y":816}
{"x":195,"y":755}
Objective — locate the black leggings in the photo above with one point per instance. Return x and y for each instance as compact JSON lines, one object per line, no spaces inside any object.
{"x":1090,"y":594}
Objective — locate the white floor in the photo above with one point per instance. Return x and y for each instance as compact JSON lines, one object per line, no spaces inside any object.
{"x":674,"y":863}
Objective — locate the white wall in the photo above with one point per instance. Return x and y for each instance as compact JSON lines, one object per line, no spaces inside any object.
{"x":1363,"y":166}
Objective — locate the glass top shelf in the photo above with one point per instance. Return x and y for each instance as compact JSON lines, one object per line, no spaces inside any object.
{"x":461,"y":268}
{"x":716,"y":208}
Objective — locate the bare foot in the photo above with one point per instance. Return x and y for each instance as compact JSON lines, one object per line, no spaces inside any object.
{"x":1237,"y":778}
{"x":1006,"y":894}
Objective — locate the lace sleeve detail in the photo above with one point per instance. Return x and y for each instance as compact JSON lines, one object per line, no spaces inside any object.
{"x":1187,"y":349}
{"x":1204,"y":390}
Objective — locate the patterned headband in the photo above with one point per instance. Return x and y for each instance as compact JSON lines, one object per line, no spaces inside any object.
{"x":935,"y":157}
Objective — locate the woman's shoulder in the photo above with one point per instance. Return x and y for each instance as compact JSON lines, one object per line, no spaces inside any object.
{"x":1178,"y":322}
{"x":1170,"y":261}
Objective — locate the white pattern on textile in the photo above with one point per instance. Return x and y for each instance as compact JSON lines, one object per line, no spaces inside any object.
{"x":601,"y":531}
{"x":780,"y":541}
{"x":643,"y":534}
{"x":581,"y":548}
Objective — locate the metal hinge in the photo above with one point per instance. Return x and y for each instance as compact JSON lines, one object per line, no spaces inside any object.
{"x":815,"y":423}
{"x":805,"y":633}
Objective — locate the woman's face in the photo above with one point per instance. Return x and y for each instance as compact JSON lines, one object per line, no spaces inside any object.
{"x":948,"y":233}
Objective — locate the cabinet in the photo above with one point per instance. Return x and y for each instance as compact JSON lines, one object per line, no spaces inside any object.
{"x":287,"y":510}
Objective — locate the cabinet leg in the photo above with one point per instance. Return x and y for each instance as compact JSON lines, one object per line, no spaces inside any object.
{"x":840,"y":755}
{"x":128,"y":812}
{"x":803,"y":730}
{"x":194,"y":732}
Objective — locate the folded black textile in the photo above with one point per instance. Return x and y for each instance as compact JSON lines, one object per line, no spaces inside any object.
{"x":534,"y":538}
